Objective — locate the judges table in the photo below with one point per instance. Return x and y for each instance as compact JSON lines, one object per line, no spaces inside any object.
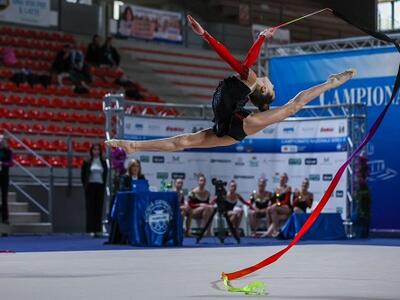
{"x":149,"y":218}
{"x":328,"y":226}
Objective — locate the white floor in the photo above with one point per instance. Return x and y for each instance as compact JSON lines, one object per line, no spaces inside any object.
{"x":307,"y":272}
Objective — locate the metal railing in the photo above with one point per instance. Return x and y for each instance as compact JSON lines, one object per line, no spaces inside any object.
{"x":47,"y":187}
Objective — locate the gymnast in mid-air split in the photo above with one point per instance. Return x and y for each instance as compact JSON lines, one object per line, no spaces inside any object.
{"x":232,"y":122}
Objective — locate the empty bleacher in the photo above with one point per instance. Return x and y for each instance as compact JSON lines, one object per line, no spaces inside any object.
{"x":192,"y":74}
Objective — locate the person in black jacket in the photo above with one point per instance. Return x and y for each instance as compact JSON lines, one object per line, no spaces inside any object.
{"x":134,"y":172}
{"x":94,"y":176}
{"x":5,"y":164}
{"x":110,"y":54}
{"x":93,"y":52}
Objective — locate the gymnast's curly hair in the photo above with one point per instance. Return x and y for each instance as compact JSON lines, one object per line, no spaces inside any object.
{"x":261,"y":101}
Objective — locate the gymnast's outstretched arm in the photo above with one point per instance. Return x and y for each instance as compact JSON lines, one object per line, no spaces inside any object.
{"x":243,"y":69}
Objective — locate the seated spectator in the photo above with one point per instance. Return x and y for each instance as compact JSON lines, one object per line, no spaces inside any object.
{"x":260,"y":201}
{"x":302,"y":198}
{"x":62,"y":63}
{"x":281,"y":208}
{"x":79,"y":72}
{"x":199,"y":202}
{"x":185,"y":208}
{"x":133,"y":172}
{"x":234,"y":205}
{"x":93,"y":52}
{"x":109,"y":53}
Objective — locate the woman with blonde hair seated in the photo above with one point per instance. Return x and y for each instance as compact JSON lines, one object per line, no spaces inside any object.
{"x":133,"y":172}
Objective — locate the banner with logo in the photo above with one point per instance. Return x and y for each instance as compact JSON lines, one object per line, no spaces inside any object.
{"x":30,"y":12}
{"x":150,"y":24}
{"x":303,"y":149}
{"x":373,"y":85}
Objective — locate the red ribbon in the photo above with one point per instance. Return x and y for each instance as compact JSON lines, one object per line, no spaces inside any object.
{"x":311,"y":219}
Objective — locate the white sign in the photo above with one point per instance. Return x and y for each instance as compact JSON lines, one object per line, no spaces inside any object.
{"x":31,"y":12}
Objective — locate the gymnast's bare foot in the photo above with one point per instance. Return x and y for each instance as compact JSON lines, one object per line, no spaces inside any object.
{"x":129,"y":147}
{"x":338,"y":79}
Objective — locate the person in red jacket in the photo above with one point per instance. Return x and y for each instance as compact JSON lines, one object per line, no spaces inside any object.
{"x":232,"y":121}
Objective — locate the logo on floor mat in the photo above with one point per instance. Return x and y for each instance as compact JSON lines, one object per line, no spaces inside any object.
{"x":158,"y":215}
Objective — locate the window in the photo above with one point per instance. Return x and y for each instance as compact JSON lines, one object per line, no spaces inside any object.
{"x":396,"y":15}
{"x":116,"y":10}
{"x":388,"y":14}
{"x":86,"y":2}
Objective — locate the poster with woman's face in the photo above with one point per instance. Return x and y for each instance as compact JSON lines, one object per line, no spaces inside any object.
{"x":150,"y":24}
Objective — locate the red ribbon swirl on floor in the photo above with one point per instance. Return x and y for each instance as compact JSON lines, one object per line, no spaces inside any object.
{"x":310,"y":221}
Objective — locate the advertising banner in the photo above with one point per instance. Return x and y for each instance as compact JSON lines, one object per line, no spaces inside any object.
{"x":150,"y":24}
{"x":302,"y":149}
{"x":372,"y":86}
{"x":30,"y":12}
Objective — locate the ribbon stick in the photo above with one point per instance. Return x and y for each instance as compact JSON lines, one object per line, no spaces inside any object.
{"x":303,"y":17}
{"x":314,"y":215}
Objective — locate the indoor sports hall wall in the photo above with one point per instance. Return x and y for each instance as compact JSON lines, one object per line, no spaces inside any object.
{"x":373,"y":84}
{"x":312,"y":149}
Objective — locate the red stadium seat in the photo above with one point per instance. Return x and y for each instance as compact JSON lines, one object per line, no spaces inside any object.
{"x":39,"y":89}
{"x":55,"y":161}
{"x":10,"y":86}
{"x":27,"y":101}
{"x":43,"y":144}
{"x":24,"y":160}
{"x":4,"y":112}
{"x":13,"y":144}
{"x":37,"y":128}
{"x":21,"y":128}
{"x":71,"y":104}
{"x":36,"y":162}
{"x":6,"y":125}
{"x":67,"y":129}
{"x":77,"y":162}
{"x":47,"y":116}
{"x":51,"y":90}
{"x":84,"y":105}
{"x":43,"y":102}
{"x":57,"y":103}
{"x":60,"y":145}
{"x":54,"y":129}
{"x":27,"y":142}
{"x":6,"y":73}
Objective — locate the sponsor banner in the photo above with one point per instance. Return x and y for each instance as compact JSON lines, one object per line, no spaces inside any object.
{"x":246,"y":168}
{"x":284,"y":137}
{"x":372,"y":86}
{"x":253,"y":158}
{"x":150,"y":24}
{"x":30,"y":12}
